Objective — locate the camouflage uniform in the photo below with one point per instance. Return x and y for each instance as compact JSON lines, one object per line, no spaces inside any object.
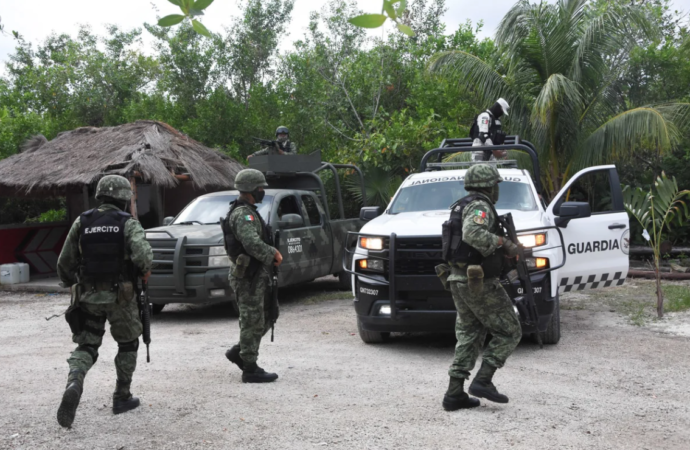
{"x":482,"y":303}
{"x":245,"y":241}
{"x":491,"y":310}
{"x":253,"y":295}
{"x":101,"y":304}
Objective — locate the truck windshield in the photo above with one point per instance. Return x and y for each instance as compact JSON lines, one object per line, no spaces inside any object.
{"x":207,"y":210}
{"x":440,"y":195}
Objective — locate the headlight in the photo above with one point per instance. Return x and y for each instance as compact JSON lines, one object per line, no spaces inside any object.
{"x":219,"y":261}
{"x":537,"y":263}
{"x":375,"y":265}
{"x":532,"y":240}
{"x":371,"y":243}
{"x":153,"y":235}
{"x":219,"y":250}
{"x":218,"y":257}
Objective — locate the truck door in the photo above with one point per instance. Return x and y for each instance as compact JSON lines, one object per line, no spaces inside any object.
{"x":320,"y":247}
{"x":597,"y":247}
{"x":294,"y":243}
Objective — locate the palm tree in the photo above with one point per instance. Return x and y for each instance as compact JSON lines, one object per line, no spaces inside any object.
{"x":559,"y":66}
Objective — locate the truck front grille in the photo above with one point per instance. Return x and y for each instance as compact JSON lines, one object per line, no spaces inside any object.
{"x":417,"y":256}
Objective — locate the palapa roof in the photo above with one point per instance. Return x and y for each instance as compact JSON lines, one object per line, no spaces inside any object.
{"x":82,"y":156}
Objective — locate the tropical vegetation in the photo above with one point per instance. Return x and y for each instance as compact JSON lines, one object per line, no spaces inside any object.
{"x":588,"y":81}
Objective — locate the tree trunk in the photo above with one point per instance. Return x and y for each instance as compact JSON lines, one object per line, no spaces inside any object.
{"x":659,"y":292}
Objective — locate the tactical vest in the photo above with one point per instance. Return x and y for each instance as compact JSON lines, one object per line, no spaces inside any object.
{"x":102,"y":243}
{"x":233,"y":246}
{"x":455,"y":250}
{"x":497,"y":136}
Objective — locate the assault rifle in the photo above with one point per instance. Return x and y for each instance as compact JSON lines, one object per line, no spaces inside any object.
{"x":144,"y":314}
{"x":273,"y":311}
{"x":275,"y":144}
{"x":525,"y":303}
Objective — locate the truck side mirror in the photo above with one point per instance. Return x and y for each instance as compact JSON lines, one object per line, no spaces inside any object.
{"x":572,"y":210}
{"x":368,"y":213}
{"x":291,"y":221}
{"x":168,"y":220}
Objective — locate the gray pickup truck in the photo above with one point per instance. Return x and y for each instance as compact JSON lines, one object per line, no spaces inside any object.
{"x":190,"y":263}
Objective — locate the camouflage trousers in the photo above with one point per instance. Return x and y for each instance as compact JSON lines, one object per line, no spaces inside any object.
{"x":490,"y":311}
{"x":254,"y":300}
{"x":125,"y":327}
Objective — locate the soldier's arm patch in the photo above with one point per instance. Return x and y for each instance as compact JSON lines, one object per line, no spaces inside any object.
{"x":249,"y":218}
{"x":479,"y":216}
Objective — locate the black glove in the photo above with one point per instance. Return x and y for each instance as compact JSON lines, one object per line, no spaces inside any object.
{"x":510,"y":248}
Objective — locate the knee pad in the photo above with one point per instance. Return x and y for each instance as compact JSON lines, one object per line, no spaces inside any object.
{"x":92,"y":351}
{"x":132,"y":346}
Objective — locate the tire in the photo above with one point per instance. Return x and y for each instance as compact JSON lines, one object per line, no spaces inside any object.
{"x":553,"y":332}
{"x":371,"y":337}
{"x":156,"y":308}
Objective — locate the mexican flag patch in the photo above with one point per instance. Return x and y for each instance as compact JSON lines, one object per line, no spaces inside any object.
{"x":249,"y":218}
{"x":479,"y":213}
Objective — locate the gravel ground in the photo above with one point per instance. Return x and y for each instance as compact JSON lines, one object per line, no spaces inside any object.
{"x":607,"y":385}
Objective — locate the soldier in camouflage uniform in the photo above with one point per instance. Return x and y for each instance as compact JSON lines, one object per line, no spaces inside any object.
{"x":97,"y":239}
{"x":482,"y":303}
{"x":287,"y":147}
{"x":247,"y":245}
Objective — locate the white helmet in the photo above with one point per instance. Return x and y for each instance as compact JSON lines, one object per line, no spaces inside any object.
{"x":504,"y":105}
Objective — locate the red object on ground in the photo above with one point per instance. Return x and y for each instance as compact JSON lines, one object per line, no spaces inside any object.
{"x":37,"y":245}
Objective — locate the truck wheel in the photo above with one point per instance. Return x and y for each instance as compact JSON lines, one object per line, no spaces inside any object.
{"x":371,"y":337}
{"x":553,"y":333}
{"x":156,"y":308}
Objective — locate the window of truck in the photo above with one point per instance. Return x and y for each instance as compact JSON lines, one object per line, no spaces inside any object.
{"x":207,"y":210}
{"x":433,"y":196}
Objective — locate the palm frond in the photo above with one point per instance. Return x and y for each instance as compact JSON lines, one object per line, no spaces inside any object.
{"x":473,"y":75}
{"x":379,"y":185}
{"x":559,"y":94}
{"x":624,"y":133}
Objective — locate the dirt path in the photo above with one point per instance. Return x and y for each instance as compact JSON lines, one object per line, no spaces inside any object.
{"x":607,"y":385}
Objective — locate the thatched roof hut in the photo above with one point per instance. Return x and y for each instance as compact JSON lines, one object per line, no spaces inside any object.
{"x":154,"y":151}
{"x":166,"y":168}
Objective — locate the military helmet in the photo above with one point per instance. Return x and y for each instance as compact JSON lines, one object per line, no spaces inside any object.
{"x":482,"y":176}
{"x":114,"y":186}
{"x":282,"y":130}
{"x":504,"y":105}
{"x":249,"y":179}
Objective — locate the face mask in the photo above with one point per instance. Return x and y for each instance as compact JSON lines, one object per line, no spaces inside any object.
{"x":282,"y":139}
{"x":258,"y":195}
{"x":494,"y":194}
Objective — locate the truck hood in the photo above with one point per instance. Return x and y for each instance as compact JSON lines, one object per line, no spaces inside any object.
{"x":428,"y":223}
{"x":196,"y":234}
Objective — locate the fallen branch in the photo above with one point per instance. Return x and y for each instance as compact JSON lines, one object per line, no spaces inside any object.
{"x":663,"y":275}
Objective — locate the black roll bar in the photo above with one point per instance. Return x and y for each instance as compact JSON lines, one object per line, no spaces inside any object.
{"x":465,"y":145}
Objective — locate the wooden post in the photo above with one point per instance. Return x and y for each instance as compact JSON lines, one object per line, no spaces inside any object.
{"x":133,"y":200}
{"x":85,"y":196}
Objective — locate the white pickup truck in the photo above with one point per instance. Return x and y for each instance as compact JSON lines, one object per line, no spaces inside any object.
{"x":578,"y":241}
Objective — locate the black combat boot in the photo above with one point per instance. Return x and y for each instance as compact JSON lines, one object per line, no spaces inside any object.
{"x":483,"y":387}
{"x":71,"y":397}
{"x":456,"y":397}
{"x":234,"y":356}
{"x":122,"y":399}
{"x":252,"y":373}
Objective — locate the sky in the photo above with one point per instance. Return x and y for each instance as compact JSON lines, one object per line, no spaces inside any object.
{"x":37,"y":19}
